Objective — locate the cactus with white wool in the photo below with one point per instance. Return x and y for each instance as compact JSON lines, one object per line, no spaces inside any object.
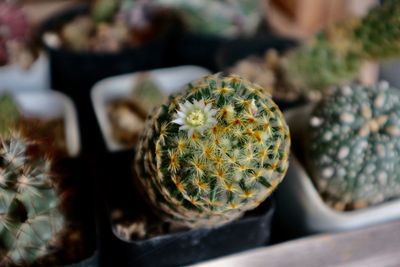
{"x":354,"y":146}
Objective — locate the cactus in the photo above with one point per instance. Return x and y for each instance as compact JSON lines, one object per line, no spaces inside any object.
{"x":9,"y":114}
{"x":29,"y":215}
{"x":224,"y":17}
{"x":353,"y":146}
{"x":148,"y":92}
{"x":213,"y":152}
{"x":14,"y":27}
{"x":104,"y":10}
{"x":334,"y":56}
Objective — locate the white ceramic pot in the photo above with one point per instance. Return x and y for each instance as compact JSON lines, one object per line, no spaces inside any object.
{"x":15,"y":79}
{"x":169,"y":80}
{"x":52,"y":105}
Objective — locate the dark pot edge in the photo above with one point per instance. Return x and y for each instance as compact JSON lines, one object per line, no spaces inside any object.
{"x":91,"y":261}
{"x":269,"y":206}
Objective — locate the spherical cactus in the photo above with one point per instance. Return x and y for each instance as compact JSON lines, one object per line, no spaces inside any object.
{"x":213,"y":152}
{"x":29,"y":203}
{"x":354,"y":146}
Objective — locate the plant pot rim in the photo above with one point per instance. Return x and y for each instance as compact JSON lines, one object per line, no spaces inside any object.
{"x":266,"y":209}
{"x":90,"y":261}
{"x":36,"y":77}
{"x":28,"y":105}
{"x":319,"y":216}
{"x":118,"y":87}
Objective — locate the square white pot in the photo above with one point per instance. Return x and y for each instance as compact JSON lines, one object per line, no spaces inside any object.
{"x":52,"y":105}
{"x":15,"y":79}
{"x":301,"y":208}
{"x":170,"y":80}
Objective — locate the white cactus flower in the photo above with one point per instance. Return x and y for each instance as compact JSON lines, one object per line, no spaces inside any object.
{"x":195,"y":117}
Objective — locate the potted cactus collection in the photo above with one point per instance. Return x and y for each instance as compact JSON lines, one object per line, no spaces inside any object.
{"x":21,"y":65}
{"x":40,"y":223}
{"x":184,"y":165}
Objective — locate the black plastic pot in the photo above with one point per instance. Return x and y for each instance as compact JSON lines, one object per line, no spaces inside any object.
{"x":176,"y":249}
{"x":75,"y":73}
{"x":92,"y":261}
{"x":79,"y":207}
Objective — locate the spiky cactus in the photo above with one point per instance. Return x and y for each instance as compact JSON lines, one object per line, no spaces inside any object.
{"x":29,"y":214}
{"x":213,"y":152}
{"x":354,"y":146}
{"x":334,"y":56}
{"x":30,"y":218}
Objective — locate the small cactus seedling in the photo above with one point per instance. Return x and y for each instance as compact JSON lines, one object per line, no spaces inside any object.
{"x":354,"y":146}
{"x":213,"y":152}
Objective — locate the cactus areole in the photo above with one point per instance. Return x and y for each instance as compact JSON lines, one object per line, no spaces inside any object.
{"x":211,"y":153}
{"x":354,"y":146}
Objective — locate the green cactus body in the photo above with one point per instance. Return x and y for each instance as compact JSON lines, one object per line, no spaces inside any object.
{"x":354,"y":146}
{"x":379,"y":32}
{"x":104,"y":10}
{"x":9,"y":114}
{"x":213,"y":152}
{"x":328,"y":59}
{"x":29,"y":214}
{"x":223,"y":17}
{"x":334,"y":56}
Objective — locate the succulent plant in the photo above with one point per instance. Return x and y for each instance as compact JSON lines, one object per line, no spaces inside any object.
{"x":104,"y":10}
{"x":354,"y":146}
{"x":213,"y":152}
{"x":29,"y":203}
{"x":9,"y":113}
{"x":14,"y":27}
{"x":223,"y":17}
{"x":334,"y":56}
{"x":148,"y":92}
{"x":30,"y":218}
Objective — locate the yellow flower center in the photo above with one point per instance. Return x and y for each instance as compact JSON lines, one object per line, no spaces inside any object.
{"x":196,"y":117}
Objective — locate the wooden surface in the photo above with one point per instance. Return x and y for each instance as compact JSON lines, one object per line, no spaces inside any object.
{"x":371,"y":247}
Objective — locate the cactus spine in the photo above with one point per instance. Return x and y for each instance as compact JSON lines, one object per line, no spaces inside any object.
{"x":30,"y":219}
{"x":213,"y":152}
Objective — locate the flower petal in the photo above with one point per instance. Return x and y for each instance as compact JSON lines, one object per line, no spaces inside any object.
{"x":179,"y":121}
